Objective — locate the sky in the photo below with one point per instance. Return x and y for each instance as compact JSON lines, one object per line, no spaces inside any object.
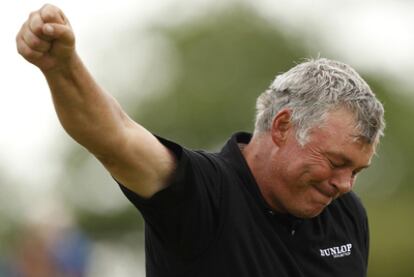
{"x":375,"y":36}
{"x":31,"y":137}
{"x":372,"y":35}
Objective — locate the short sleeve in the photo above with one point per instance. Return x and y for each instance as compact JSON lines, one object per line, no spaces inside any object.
{"x":183,"y":218}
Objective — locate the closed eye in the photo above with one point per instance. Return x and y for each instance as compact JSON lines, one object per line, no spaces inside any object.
{"x":356,"y":171}
{"x":336,"y":164}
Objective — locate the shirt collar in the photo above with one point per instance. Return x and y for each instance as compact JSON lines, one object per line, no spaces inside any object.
{"x":232,"y":153}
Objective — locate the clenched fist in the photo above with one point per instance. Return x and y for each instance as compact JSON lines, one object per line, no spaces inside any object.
{"x":46,"y":39}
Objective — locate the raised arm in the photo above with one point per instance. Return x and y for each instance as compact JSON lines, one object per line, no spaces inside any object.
{"x":88,"y":114}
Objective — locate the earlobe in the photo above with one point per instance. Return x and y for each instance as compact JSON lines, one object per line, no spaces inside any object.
{"x":281,"y":125}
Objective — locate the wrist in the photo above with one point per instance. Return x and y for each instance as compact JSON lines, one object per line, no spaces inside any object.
{"x":66,"y":68}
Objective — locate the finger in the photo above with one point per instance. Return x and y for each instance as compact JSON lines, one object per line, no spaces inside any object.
{"x":60,"y":32}
{"x":52,"y":14}
{"x":36,"y":24}
{"x":24,"y":50}
{"x":34,"y":42}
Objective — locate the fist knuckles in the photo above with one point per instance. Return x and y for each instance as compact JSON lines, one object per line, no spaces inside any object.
{"x":46,"y":31}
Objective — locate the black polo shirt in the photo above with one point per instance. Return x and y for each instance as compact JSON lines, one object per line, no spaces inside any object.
{"x":212,"y":221}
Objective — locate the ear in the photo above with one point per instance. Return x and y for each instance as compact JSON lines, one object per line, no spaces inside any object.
{"x":281,"y":124}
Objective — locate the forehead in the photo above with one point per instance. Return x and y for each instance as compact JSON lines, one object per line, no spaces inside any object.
{"x":338,"y":124}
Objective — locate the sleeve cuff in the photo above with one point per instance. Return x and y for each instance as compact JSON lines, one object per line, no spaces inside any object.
{"x":175,"y":192}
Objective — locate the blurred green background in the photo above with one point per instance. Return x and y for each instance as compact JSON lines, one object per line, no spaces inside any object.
{"x":200,"y":87}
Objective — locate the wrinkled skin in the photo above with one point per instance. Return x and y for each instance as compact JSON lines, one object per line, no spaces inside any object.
{"x":303,"y":180}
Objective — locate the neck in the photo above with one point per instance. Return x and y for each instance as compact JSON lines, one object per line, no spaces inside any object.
{"x":255,"y":150}
{"x":258,"y":154}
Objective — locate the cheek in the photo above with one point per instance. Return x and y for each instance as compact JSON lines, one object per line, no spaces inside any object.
{"x":317,"y":167}
{"x":319,"y":172}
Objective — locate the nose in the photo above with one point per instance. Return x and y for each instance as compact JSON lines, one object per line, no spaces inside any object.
{"x":342,"y":180}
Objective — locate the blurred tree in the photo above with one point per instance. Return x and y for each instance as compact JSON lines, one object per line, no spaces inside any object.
{"x":387,"y":187}
{"x":224,"y":61}
{"x":11,"y":213}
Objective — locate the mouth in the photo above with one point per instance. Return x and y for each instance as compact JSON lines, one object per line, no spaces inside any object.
{"x":327,"y":195}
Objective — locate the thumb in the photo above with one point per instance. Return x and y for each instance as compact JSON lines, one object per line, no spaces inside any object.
{"x":56,"y":31}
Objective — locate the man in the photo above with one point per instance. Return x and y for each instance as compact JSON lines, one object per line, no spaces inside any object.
{"x":275,"y":203}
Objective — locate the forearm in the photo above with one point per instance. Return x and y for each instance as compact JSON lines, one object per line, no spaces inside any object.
{"x":92,"y":117}
{"x":88,"y":114}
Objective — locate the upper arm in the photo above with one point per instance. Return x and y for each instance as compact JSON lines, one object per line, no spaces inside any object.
{"x":138,"y":160}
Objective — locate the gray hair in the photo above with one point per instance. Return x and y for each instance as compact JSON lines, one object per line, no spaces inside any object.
{"x":312,"y":89}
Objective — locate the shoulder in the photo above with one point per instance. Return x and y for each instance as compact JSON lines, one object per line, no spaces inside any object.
{"x":198,"y":160}
{"x":349,"y":213}
{"x":350,"y":209}
{"x":352,"y":203}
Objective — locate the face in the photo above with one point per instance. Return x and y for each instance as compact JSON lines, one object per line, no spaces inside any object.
{"x":309,"y":177}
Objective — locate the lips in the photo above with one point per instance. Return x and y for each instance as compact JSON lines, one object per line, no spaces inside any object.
{"x":330,"y":193}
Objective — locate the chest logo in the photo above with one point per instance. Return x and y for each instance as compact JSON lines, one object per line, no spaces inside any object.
{"x":337,"y":251}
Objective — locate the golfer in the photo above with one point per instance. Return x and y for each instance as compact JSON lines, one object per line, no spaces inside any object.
{"x":277,"y":202}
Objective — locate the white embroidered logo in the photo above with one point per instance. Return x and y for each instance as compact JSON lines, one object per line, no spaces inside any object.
{"x":337,"y":251}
